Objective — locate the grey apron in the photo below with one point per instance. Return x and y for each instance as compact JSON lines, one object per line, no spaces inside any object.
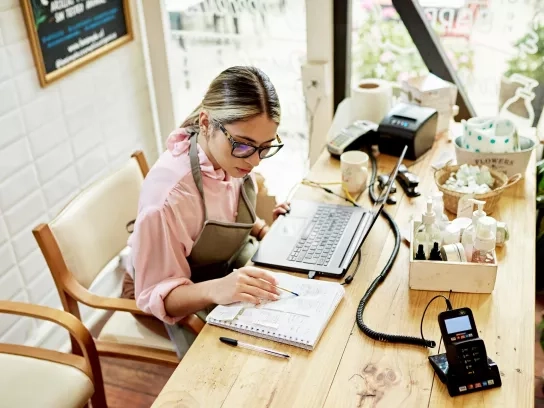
{"x":219,"y":248}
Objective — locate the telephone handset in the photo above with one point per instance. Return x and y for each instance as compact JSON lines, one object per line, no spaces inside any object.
{"x":353,"y":137}
{"x":465,"y":367}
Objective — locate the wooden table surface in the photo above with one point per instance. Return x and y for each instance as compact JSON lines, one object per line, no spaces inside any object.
{"x":348,"y":369}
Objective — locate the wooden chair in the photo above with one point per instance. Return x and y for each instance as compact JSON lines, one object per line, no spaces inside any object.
{"x":37,"y":377}
{"x":81,"y":240}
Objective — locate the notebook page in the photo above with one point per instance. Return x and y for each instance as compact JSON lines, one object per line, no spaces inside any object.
{"x":297,"y":318}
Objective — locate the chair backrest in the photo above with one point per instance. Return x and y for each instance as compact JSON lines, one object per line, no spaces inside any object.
{"x":91,"y":230}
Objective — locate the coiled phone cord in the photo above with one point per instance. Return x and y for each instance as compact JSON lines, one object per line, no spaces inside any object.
{"x":383,"y":337}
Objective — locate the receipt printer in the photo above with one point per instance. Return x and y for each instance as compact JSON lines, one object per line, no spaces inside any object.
{"x":407,"y":124}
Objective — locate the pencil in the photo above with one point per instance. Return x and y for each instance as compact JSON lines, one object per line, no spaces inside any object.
{"x":279,"y":287}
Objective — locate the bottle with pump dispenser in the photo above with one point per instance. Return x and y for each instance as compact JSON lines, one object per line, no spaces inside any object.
{"x":467,"y":239}
{"x":485,"y":239}
{"x":428,"y":232}
{"x":442,"y":219}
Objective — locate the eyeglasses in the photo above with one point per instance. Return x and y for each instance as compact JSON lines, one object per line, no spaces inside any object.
{"x":245,"y":150}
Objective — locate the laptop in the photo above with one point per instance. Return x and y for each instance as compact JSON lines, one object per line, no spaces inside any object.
{"x":318,"y":237}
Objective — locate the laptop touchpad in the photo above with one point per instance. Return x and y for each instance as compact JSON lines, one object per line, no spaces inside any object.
{"x":292,"y":226}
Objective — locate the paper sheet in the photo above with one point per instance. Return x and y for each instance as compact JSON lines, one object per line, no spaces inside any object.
{"x":226,"y":313}
{"x":299,"y":318}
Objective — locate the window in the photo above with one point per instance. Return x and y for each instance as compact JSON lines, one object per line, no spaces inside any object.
{"x":496,"y":47}
{"x":208,"y":36}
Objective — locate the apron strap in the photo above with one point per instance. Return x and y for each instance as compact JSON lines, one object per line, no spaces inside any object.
{"x":248,"y":199}
{"x":195,"y":170}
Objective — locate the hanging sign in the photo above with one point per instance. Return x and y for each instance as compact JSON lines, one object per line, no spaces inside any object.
{"x":66,"y":34}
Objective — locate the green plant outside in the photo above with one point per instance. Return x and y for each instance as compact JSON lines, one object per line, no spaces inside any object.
{"x":529,"y":65}
{"x":386,"y":51}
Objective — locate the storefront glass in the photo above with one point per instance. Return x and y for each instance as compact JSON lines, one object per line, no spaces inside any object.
{"x":496,"y":46}
{"x":207,"y":36}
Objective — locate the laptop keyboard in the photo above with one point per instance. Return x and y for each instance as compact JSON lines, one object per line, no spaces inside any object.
{"x":321,"y":236}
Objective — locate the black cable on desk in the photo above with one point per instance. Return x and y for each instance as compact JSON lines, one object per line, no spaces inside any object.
{"x":388,"y":338}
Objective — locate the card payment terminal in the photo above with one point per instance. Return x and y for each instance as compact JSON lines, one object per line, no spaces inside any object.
{"x":465,"y":367}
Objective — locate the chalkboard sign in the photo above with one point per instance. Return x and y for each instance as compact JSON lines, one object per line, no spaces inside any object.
{"x":66,"y":34}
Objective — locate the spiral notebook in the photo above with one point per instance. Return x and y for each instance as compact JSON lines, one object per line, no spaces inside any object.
{"x":296,"y":320}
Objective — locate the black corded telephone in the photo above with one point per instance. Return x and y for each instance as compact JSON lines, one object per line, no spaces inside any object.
{"x":360,"y":133}
{"x":465,"y":367}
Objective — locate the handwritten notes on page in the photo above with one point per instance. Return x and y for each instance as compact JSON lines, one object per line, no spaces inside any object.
{"x":296,"y":319}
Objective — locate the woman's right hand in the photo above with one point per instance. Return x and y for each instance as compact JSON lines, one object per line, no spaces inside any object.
{"x":247,"y":284}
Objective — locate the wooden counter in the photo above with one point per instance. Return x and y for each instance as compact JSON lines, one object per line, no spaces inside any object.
{"x":347,"y":369}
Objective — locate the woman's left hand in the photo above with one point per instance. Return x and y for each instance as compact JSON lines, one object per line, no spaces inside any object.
{"x":280,"y":209}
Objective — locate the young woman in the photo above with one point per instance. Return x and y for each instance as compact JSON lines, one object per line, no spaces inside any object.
{"x":196,"y":225}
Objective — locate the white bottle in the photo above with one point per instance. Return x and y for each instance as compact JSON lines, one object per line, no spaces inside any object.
{"x":442,"y":219}
{"x":484,"y":243}
{"x":468,"y":236}
{"x":428,"y":232}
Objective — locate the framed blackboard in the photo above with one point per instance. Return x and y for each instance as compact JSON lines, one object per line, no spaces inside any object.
{"x":66,"y":34}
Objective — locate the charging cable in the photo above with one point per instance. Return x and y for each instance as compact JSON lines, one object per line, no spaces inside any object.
{"x":348,"y":279}
{"x":448,"y":306}
{"x":322,"y":185}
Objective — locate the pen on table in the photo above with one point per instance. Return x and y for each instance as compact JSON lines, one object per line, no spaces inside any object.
{"x":236,"y":343}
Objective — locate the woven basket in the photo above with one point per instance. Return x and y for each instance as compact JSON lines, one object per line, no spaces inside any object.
{"x":451,"y":197}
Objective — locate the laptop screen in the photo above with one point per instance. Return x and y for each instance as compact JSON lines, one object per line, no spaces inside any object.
{"x":374,"y":211}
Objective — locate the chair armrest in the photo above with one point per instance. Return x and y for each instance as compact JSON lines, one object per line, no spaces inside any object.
{"x":78,"y":292}
{"x":193,"y":323}
{"x":64,"y":319}
{"x":83,"y":295}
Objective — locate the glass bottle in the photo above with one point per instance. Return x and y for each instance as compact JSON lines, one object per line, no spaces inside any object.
{"x":435,"y":253}
{"x":420,"y":255}
{"x":484,"y":243}
{"x":442,"y":219}
{"x":467,"y":239}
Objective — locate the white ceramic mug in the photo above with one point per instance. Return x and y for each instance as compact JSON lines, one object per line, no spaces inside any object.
{"x":354,"y":167}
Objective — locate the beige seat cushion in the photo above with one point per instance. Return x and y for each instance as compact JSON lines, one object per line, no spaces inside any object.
{"x":123,"y":328}
{"x":30,"y":382}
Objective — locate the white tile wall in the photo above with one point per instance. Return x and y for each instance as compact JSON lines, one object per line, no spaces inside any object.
{"x":20,"y":56}
{"x":5,"y":69}
{"x":12,"y":126}
{"x":53,"y":142}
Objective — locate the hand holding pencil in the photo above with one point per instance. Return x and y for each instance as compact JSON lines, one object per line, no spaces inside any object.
{"x":246,"y":284}
{"x":286,"y":290}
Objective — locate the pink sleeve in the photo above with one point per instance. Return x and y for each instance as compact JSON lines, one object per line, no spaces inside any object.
{"x":159,"y":262}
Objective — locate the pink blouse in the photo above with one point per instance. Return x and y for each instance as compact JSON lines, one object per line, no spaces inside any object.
{"x":170,"y":218}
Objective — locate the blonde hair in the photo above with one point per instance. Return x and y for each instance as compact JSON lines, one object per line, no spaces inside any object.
{"x":237,"y":93}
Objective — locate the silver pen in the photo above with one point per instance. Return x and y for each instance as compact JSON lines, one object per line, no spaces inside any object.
{"x":236,"y":343}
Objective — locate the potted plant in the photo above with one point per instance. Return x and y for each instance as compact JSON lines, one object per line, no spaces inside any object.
{"x":530,"y":64}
